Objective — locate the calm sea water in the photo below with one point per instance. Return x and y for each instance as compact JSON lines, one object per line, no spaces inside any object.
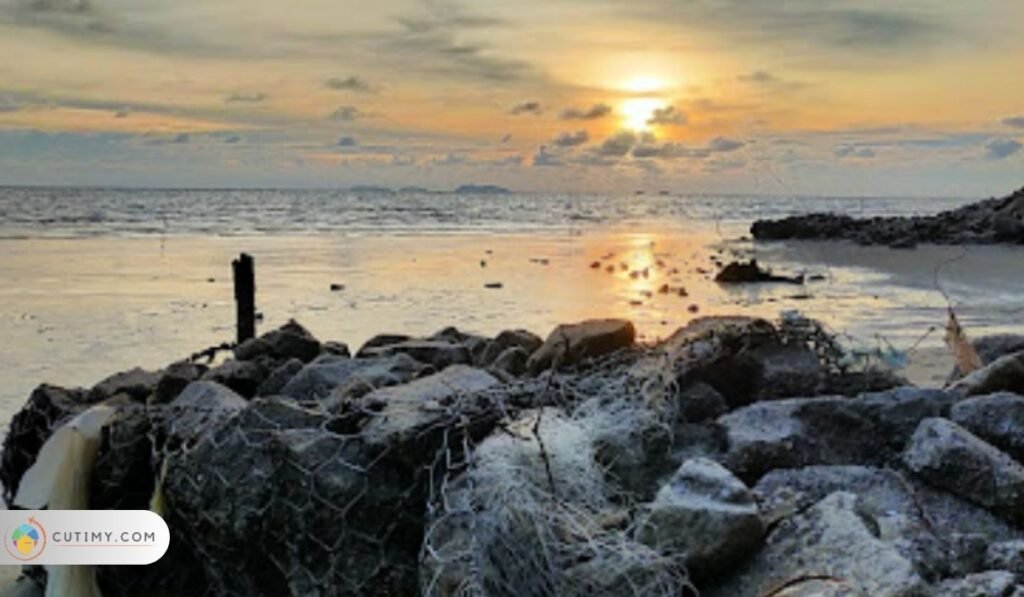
{"x":34,"y":212}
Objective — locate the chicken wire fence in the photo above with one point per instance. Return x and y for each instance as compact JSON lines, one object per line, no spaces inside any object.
{"x":487,"y":493}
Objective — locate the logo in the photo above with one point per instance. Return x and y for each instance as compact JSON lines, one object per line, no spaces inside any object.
{"x":26,"y":541}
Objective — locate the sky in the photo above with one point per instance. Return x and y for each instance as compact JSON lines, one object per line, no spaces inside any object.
{"x":819,"y":97}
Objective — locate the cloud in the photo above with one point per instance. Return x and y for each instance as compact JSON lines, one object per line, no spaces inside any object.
{"x":526,"y":108}
{"x":854,"y":151}
{"x":450,"y":159}
{"x":347,"y":141}
{"x":998,"y":149}
{"x":545,"y":158}
{"x":593,"y":113}
{"x":1016,"y":122}
{"x":346,"y":113}
{"x":759,"y":77}
{"x":667,"y":116}
{"x":351,"y":83}
{"x":245,"y":98}
{"x":618,"y":144}
{"x":569,"y":139}
{"x":724,"y":145}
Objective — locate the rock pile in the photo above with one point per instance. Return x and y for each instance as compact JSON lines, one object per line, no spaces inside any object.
{"x":989,"y":221}
{"x":733,"y":459}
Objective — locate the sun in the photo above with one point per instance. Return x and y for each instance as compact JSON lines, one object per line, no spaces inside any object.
{"x":637,"y":111}
{"x":644,"y":84}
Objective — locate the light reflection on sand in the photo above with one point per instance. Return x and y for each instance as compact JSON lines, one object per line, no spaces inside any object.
{"x":75,"y":310}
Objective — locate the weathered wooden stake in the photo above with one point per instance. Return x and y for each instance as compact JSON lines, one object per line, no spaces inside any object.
{"x":245,"y":296}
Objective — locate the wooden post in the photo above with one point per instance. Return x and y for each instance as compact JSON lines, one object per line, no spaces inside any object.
{"x":245,"y":296}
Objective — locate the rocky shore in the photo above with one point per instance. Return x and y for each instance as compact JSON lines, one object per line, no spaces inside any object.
{"x":985,"y":222}
{"x":739,"y":457}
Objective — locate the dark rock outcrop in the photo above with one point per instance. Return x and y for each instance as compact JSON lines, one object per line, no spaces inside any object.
{"x":738,"y":272}
{"x":989,"y":221}
{"x":571,"y":344}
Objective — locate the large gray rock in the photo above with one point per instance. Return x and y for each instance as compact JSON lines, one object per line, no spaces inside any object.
{"x":201,"y":406}
{"x":798,"y":432}
{"x":836,"y":539}
{"x":281,"y":500}
{"x":374,"y":374}
{"x":290,"y":341}
{"x":244,"y":377}
{"x":340,"y":378}
{"x":1005,"y":374}
{"x":897,"y":412}
{"x":512,"y":361}
{"x":707,"y":515}
{"x":437,"y":353}
{"x":994,"y":583}
{"x":950,"y":457}
{"x":570,"y":344}
{"x":279,"y":378}
{"x":522,"y":339}
{"x":136,"y":383}
{"x":1006,"y":555}
{"x":997,"y":419}
{"x":174,"y":379}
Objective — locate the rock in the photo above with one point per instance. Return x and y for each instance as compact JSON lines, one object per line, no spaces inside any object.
{"x":897,"y":412}
{"x":381,"y":340}
{"x":202,"y":406}
{"x":950,"y":457}
{"x":998,"y":419}
{"x":338,"y":349}
{"x":437,"y":353}
{"x":123,"y":475}
{"x":1005,"y":374}
{"x":512,"y":361}
{"x":706,"y":514}
{"x":279,"y":378}
{"x":1006,"y":555}
{"x":316,"y":380}
{"x":818,"y":587}
{"x":282,"y":500}
{"x":570,"y":344}
{"x":406,"y":411}
{"x":243,"y":377}
{"x":374,"y":374}
{"x":798,"y":432}
{"x":737,"y":272}
{"x":983,"y":584}
{"x":174,"y":379}
{"x":523,"y":339}
{"x":47,"y":408}
{"x":287,"y":342}
{"x":992,"y":220}
{"x":834,"y":539}
{"x":136,"y":383}
{"x":990,"y":348}
{"x":700,"y":402}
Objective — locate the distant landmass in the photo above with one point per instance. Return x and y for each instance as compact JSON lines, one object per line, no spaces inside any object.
{"x":466,"y":189}
{"x":481,"y":189}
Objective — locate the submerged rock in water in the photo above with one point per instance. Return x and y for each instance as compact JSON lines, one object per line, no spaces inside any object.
{"x":571,"y":344}
{"x":738,"y":272}
{"x":707,"y":515}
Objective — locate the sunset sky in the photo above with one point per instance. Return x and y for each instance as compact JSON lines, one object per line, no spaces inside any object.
{"x":848,"y":97}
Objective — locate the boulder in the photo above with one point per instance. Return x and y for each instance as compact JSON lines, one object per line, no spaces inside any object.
{"x":136,"y":383}
{"x":338,"y":349}
{"x":1005,"y":374}
{"x":374,"y":374}
{"x":570,"y":344}
{"x":1008,"y":219}
{"x":243,"y":377}
{"x":949,"y":457}
{"x":381,"y":340}
{"x":705,"y":514}
{"x":738,"y":272}
{"x":1006,"y":555}
{"x":47,"y":408}
{"x":279,"y":378}
{"x":507,"y":339}
{"x":174,"y":379}
{"x":994,"y":583}
{"x":512,"y":360}
{"x":290,"y":341}
{"x":798,"y":432}
{"x":437,"y":353}
{"x":834,"y":539}
{"x":997,"y":419}
{"x":700,"y":402}
{"x":817,"y":587}
{"x":202,"y":405}
{"x":282,"y":500}
{"x":897,"y":412}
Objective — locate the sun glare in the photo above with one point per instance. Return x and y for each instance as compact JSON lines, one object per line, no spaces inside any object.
{"x":636,"y":112}
{"x":644,"y":84}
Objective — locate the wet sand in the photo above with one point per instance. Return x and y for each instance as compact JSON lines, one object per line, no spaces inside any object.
{"x":74,"y":310}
